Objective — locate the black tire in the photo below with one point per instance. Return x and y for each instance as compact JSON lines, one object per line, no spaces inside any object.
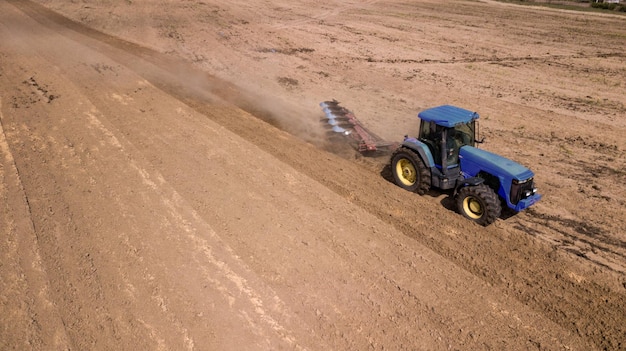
{"x":409,"y":171}
{"x":479,"y":203}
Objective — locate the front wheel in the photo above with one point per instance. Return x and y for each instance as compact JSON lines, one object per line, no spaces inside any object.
{"x":409,"y":172}
{"x":479,"y":203}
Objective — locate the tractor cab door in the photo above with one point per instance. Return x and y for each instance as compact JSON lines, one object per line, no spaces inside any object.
{"x":454,"y":142}
{"x":430,"y":134}
{"x":442,"y":142}
{"x":462,"y":134}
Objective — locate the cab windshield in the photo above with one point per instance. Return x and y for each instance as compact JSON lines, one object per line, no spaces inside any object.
{"x":464,"y":133}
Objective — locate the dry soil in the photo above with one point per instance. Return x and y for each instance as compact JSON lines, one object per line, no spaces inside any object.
{"x":166,"y":182}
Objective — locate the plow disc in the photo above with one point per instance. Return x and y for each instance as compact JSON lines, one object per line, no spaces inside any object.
{"x":342,"y":121}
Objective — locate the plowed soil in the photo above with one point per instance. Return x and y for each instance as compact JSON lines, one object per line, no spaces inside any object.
{"x":166,"y":182}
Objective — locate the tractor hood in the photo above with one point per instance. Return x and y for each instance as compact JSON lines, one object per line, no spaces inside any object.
{"x":474,"y":160}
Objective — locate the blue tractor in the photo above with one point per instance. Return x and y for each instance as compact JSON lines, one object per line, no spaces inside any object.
{"x":444,"y":156}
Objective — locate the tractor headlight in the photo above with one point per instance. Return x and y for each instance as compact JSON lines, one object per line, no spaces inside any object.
{"x":522,"y":189}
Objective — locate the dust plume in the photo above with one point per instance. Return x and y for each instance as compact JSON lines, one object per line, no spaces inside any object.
{"x":298,"y":118}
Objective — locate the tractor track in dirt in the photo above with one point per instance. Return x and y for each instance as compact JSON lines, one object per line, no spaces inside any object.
{"x":495,"y":60}
{"x":506,"y":256}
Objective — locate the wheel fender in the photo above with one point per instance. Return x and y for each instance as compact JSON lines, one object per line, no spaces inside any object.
{"x":422,"y":150}
{"x":472,"y":181}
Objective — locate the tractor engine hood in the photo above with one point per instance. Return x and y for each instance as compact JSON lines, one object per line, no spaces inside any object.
{"x":474,"y":160}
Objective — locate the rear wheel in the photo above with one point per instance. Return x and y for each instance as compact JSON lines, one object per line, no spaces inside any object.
{"x":409,"y":172}
{"x":479,"y":203}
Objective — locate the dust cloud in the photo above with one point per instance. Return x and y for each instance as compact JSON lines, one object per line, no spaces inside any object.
{"x":182,"y":79}
{"x":298,"y":118}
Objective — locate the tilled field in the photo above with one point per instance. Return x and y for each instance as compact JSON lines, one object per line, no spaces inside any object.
{"x":167,"y":183}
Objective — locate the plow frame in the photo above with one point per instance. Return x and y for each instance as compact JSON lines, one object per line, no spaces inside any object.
{"x":343,"y":121}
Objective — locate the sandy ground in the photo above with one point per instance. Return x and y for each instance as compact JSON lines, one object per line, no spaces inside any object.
{"x":166,"y":183}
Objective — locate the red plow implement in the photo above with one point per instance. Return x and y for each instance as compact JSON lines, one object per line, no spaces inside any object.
{"x":344,"y":122}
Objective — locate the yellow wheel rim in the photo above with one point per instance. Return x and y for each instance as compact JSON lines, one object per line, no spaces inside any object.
{"x":473,"y":207}
{"x":406,"y":172}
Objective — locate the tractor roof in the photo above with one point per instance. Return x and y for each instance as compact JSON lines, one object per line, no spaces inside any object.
{"x":448,"y":115}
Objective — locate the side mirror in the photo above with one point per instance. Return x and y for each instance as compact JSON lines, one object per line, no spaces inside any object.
{"x":478,"y":139}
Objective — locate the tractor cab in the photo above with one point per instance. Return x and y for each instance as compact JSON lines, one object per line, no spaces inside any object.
{"x":445,"y":143}
{"x":445,"y":129}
